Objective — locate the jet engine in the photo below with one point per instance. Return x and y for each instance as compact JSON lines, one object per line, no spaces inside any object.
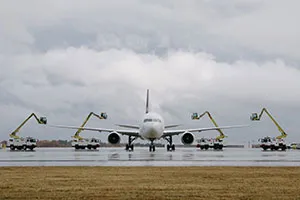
{"x":114,"y":138}
{"x":187,"y":138}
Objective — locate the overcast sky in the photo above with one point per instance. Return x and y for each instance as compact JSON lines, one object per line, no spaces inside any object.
{"x":64,"y":59}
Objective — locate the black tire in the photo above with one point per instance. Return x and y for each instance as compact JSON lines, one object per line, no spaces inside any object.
{"x":89,"y":147}
{"x":12,"y":147}
{"x":24,"y":147}
{"x":168,"y":147}
{"x":265,"y":148}
{"x":76,"y":147}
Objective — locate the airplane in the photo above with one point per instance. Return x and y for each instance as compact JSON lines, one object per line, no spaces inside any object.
{"x":152,"y":128}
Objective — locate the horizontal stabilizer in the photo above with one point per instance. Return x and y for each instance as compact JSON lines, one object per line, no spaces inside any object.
{"x":172,"y":126}
{"x":128,"y":126}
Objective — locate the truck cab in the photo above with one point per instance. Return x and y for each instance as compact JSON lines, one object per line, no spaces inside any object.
{"x":203,"y":143}
{"x":265,"y":143}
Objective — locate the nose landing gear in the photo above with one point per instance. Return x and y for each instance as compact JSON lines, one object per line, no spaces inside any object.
{"x":152,"y":146}
{"x":170,"y":146}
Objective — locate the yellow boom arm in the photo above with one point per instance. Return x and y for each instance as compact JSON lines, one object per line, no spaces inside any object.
{"x":195,"y":116}
{"x":42,"y":120}
{"x":101,"y":116}
{"x":255,"y":117}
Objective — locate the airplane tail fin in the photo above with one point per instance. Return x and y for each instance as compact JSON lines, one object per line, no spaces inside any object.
{"x":147,"y":101}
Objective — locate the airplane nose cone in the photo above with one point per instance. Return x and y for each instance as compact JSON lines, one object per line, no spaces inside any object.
{"x":152,"y":132}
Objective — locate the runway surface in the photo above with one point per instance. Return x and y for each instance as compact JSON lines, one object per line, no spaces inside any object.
{"x":142,"y":157}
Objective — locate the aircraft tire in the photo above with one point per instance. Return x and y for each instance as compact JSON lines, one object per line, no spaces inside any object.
{"x":168,"y":147}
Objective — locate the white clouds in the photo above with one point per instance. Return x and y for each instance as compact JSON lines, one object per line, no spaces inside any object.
{"x":116,"y":80}
{"x":178,"y":71}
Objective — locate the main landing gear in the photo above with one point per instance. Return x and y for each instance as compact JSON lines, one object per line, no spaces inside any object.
{"x":152,"y":146}
{"x":170,"y":146}
{"x":129,"y":146}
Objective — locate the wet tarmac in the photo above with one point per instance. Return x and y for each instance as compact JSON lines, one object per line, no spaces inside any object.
{"x":142,"y":157}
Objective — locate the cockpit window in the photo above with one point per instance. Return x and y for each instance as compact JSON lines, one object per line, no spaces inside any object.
{"x":152,"y":120}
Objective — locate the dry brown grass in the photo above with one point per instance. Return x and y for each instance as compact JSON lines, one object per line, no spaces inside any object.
{"x":150,"y":183}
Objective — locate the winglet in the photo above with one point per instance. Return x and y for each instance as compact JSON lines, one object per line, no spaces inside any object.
{"x":147,"y":101}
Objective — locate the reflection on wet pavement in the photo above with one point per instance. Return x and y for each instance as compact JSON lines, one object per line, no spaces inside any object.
{"x":141,"y":157}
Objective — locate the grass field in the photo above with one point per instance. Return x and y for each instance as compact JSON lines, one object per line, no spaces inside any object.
{"x":149,"y":183}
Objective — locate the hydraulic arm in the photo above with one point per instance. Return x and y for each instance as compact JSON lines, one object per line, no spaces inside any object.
{"x":195,"y":116}
{"x":41,"y":120}
{"x":103,"y":115}
{"x":256,"y":117}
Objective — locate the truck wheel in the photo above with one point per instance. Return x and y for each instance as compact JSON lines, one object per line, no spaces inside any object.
{"x":76,"y":147}
{"x":12,"y":147}
{"x":24,"y":147}
{"x":265,"y":148}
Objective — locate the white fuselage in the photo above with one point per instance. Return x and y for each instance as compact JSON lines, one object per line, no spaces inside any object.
{"x":152,"y":127}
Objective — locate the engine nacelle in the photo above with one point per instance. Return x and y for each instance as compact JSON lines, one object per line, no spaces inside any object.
{"x":187,"y":138}
{"x":114,"y":138}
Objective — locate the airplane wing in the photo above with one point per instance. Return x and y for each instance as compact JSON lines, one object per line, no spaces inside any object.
{"x":178,"y":132}
{"x":134,"y":133}
{"x":128,"y":126}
